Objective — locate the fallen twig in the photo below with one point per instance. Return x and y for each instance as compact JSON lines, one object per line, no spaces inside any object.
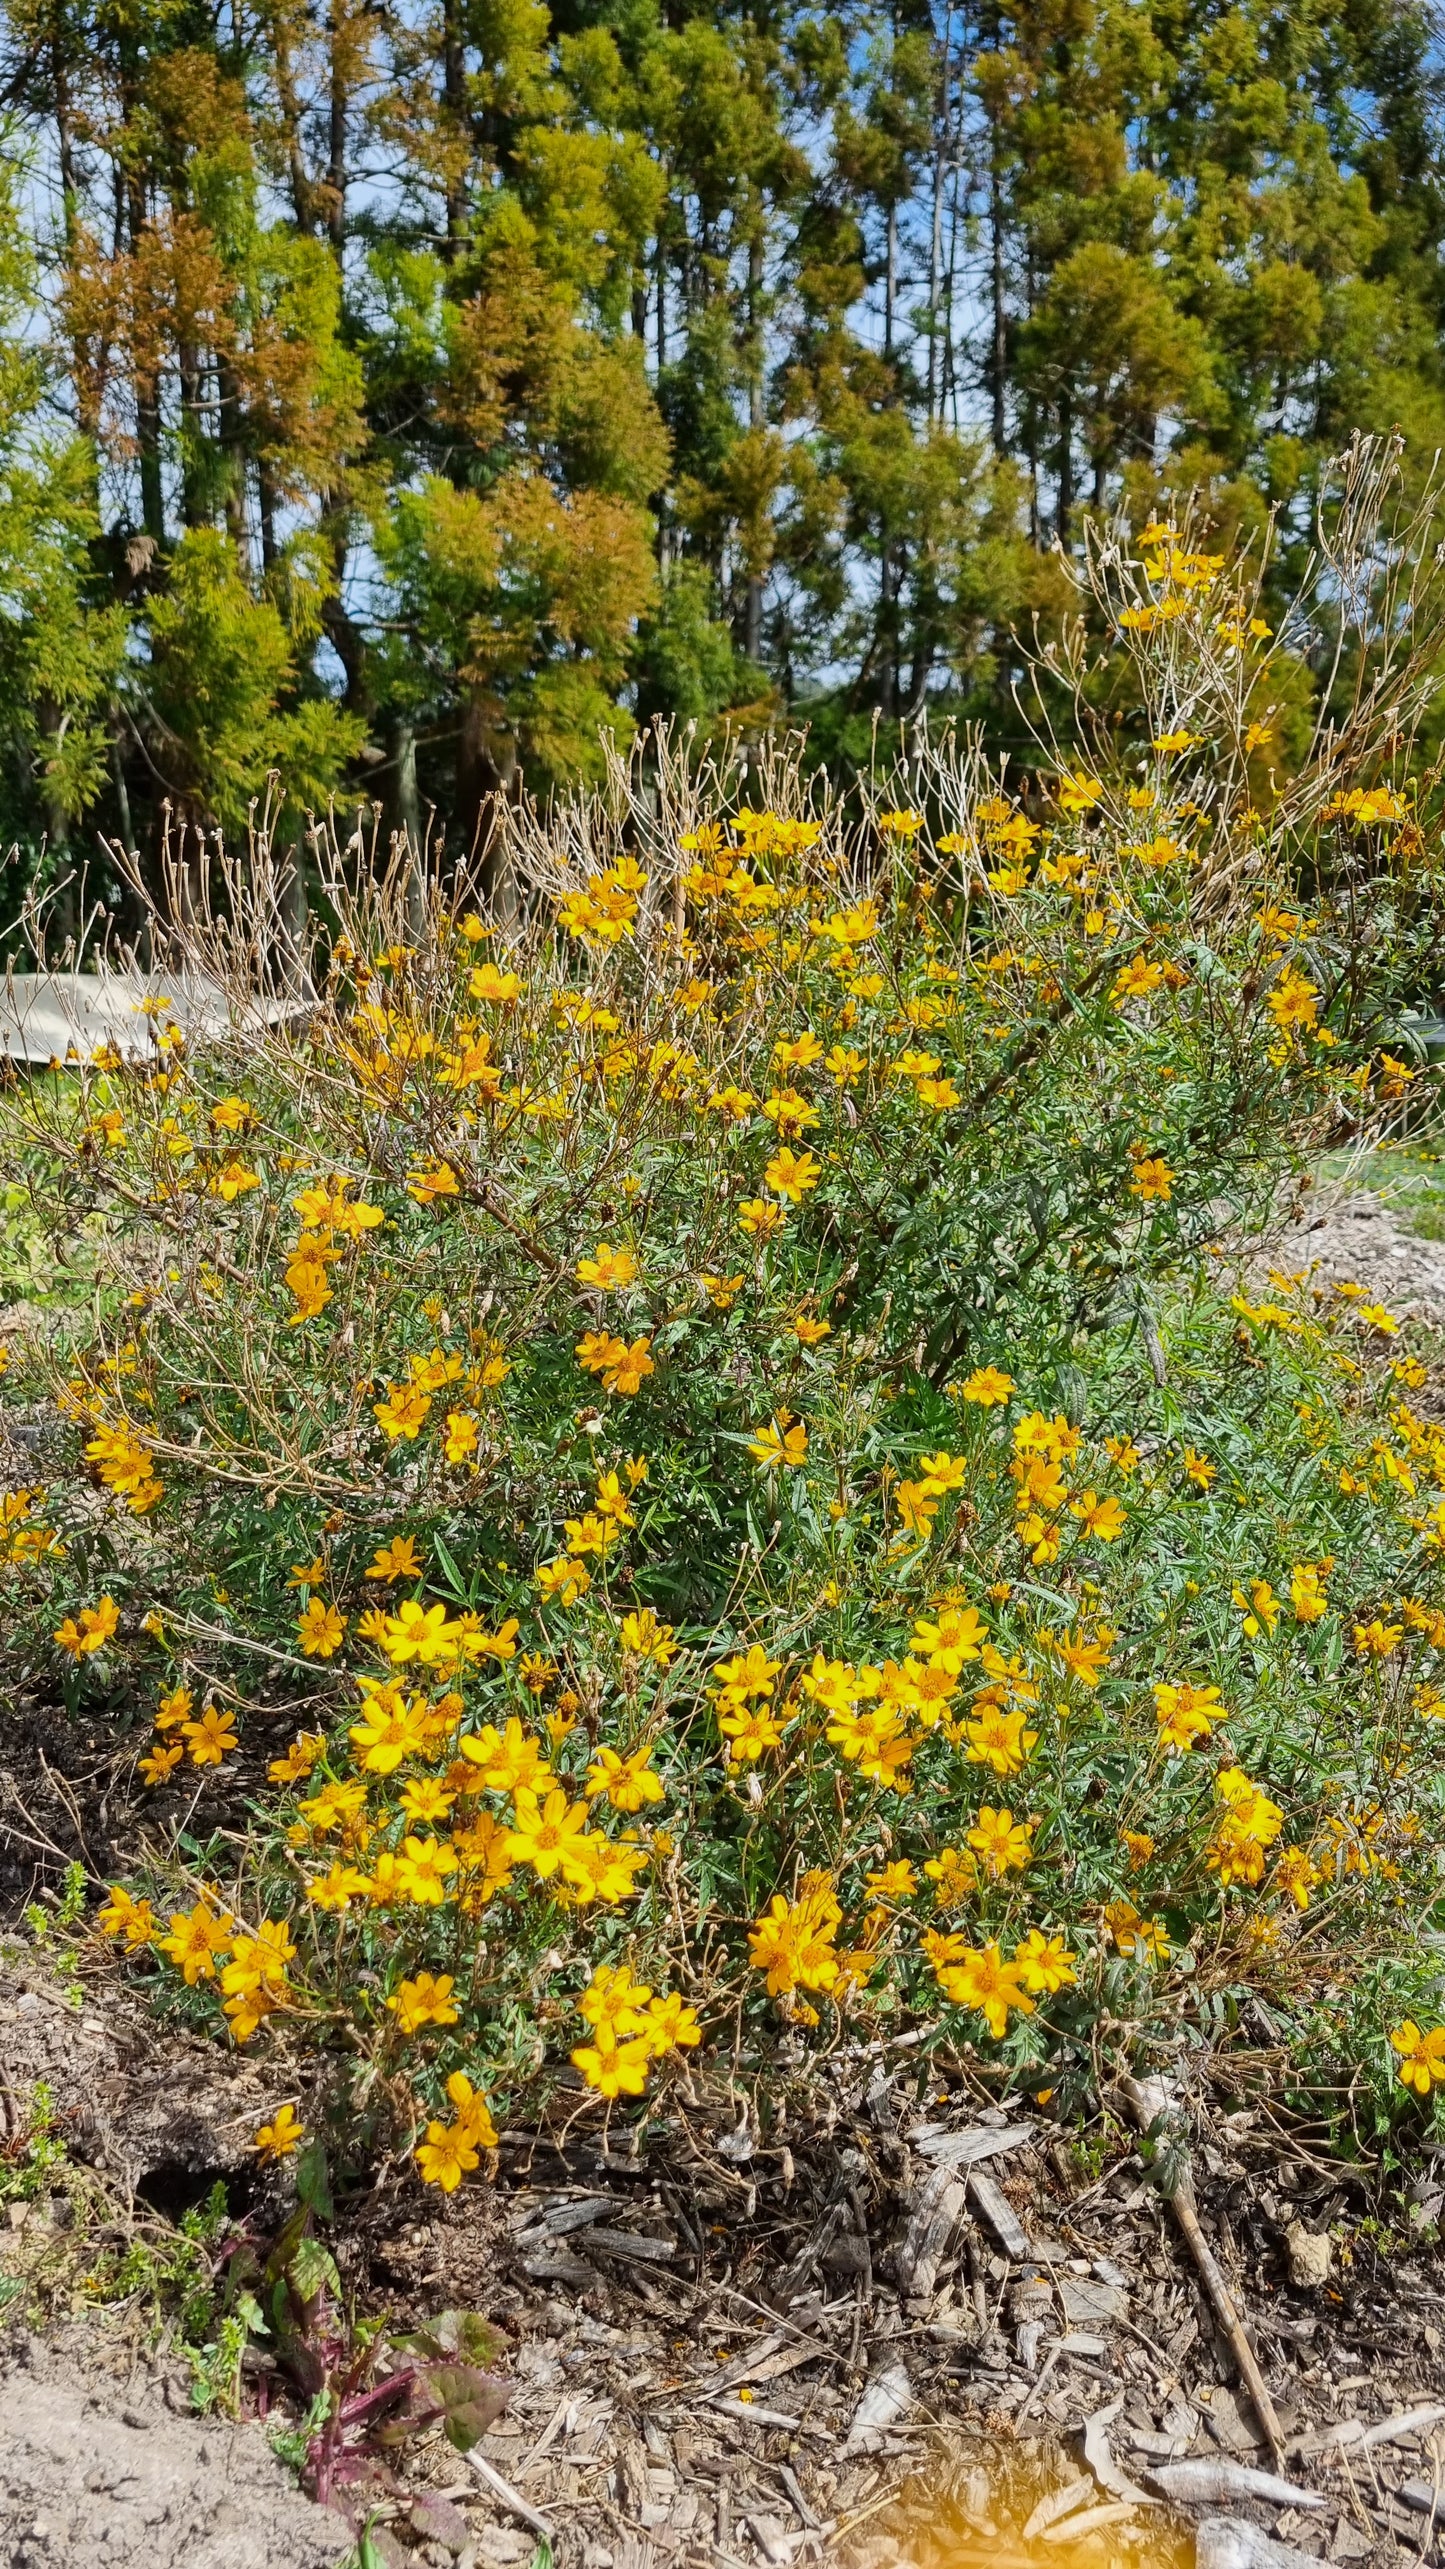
{"x":1148,"y":2100}
{"x":503,"y":2489}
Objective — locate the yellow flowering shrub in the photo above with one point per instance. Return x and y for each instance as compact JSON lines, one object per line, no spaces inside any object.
{"x":725,"y":1401}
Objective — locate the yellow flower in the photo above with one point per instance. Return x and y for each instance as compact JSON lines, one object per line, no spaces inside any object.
{"x":750,"y":1730}
{"x":392,"y":1729}
{"x":1186,"y":1713}
{"x":545,"y":1831}
{"x":956,"y":1635}
{"x":278,"y":2138}
{"x":1260,"y":1608}
{"x":212,"y":1738}
{"x":956,"y":1875}
{"x":760,"y":1218}
{"x":427,"y":1798}
{"x":127,"y":1917}
{"x":1294,"y":1001}
{"x":793,"y":1941}
{"x":783,"y":1443}
{"x":613,"y":2002}
{"x":1306,"y":1590}
{"x":791,"y":1112}
{"x":565,"y":1580}
{"x":1199,"y":1469}
{"x":797,"y":1052}
{"x":1422,"y":2056}
{"x":1004,"y":1844}
{"x":1137,"y":980}
{"x":423,"y":1633}
{"x":1044,"y":1964}
{"x":1103,"y":1518}
{"x":628,"y":1782}
{"x":613,"y":2068}
{"x":320,"y":1630}
{"x":608,"y":1270}
{"x":161,"y":1762}
{"x":423,"y":1869}
{"x":998,"y":1739}
{"x":434,"y":1179}
{"x":981,"y":1979}
{"x":197,"y":1936}
{"x":893,"y":1882}
{"x":735,"y":1103}
{"x":1078,"y":793}
{"x":988,"y":1387}
{"x":1296,"y":1874}
{"x":808,"y":1331}
{"x":84,"y":1634}
{"x":643,"y":1637}
{"x":791,"y":1174}
{"x":1376,"y":1639}
{"x":623,"y":1368}
{"x":670,"y":2026}
{"x":1133,"y":1934}
{"x":1152,"y":1180}
{"x":446,"y":2156}
{"x":337,"y":1887}
{"x":722,"y":1291}
{"x":403,"y":1412}
{"x":1083,"y":1653}
{"x":423,"y":2001}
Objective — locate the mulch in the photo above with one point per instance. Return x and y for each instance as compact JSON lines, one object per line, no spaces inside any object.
{"x":888,"y":2329}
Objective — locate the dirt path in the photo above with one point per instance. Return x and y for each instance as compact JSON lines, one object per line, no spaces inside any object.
{"x":1357,"y":1236}
{"x":101,"y":2474}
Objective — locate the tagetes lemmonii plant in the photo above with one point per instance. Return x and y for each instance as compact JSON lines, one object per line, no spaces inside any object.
{"x":731,"y":1410}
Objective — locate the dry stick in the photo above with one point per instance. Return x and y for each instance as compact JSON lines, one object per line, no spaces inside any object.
{"x":1145,"y":2102}
{"x":503,"y":2489}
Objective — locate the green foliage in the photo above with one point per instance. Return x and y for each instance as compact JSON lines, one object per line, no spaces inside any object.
{"x":813,"y":334}
{"x":746,"y":1400}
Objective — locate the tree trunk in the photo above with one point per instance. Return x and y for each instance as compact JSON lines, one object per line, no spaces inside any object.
{"x":404,"y":816}
{"x":336,"y":138}
{"x":454,"y":89}
{"x":753,"y":612}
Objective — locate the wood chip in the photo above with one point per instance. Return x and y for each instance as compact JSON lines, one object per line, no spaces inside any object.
{"x":1101,"y":2460}
{"x":932,"y":2228}
{"x":966,"y":2149}
{"x":1000,"y":2215}
{"x":1411,"y":2421}
{"x":630,"y":2243}
{"x":1212,"y":2483}
{"x":752,"y":2413}
{"x":886,"y":2398}
{"x":1226,"y":2542}
{"x":1093,"y":2520}
{"x":1059,"y":2502}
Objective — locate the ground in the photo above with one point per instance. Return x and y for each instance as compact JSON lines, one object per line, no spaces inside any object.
{"x":918,"y":2323}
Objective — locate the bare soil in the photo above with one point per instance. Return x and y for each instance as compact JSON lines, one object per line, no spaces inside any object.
{"x":96,"y":2470}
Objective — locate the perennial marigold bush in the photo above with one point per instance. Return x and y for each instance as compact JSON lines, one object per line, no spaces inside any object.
{"x":706,"y":1444}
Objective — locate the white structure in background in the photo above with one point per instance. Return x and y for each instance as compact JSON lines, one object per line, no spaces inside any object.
{"x":71,"y":1016}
